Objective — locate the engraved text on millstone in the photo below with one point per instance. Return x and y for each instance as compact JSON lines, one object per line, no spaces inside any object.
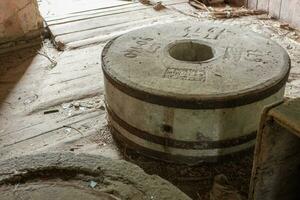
{"x":141,"y":45}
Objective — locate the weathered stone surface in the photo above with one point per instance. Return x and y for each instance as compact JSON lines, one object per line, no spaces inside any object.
{"x":38,"y":191}
{"x":73,"y":173}
{"x":200,"y":61}
{"x":191,"y":92}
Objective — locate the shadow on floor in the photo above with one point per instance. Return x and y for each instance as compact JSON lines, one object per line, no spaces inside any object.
{"x":13,"y":66}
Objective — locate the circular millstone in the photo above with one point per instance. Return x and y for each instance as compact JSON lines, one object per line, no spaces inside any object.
{"x":67,"y":176}
{"x":196,"y":65}
{"x":42,"y":191}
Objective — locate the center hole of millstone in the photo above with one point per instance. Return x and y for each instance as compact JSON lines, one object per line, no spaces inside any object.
{"x":191,"y":51}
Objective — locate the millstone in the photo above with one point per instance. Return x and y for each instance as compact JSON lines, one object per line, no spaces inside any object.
{"x":67,"y":176}
{"x":42,"y":191}
{"x":191,"y":92}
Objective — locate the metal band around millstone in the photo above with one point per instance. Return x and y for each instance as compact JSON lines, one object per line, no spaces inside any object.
{"x":204,"y":103}
{"x":191,"y":160}
{"x":198,"y":145}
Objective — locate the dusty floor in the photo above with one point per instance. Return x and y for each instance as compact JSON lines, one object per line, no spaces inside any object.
{"x":52,"y":100}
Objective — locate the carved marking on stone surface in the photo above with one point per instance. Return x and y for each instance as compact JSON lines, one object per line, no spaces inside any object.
{"x":185,"y":74}
{"x":237,"y":54}
{"x":141,"y":45}
{"x":153,"y":48}
{"x":187,"y":31}
{"x":232,"y":53}
{"x":254,"y":55}
{"x":212,"y":33}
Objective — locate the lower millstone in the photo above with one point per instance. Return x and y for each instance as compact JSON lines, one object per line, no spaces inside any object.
{"x":51,"y":191}
{"x":67,"y":176}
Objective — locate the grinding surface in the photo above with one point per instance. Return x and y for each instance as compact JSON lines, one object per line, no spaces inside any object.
{"x":67,"y":175}
{"x":243,"y":62}
{"x":52,"y":191}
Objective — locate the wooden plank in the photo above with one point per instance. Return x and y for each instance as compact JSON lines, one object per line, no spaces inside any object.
{"x":44,"y":128}
{"x":95,"y":12}
{"x":96,"y":26}
{"x":252,"y":4}
{"x":274,"y":8}
{"x":65,"y":136}
{"x":54,"y":8}
{"x":102,"y":21}
{"x":263,"y":5}
{"x":296,"y":16}
{"x":71,"y":78}
{"x":103,"y":34}
{"x":287,"y":10}
{"x":104,"y":38}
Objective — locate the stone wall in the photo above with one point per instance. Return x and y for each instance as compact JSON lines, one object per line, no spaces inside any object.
{"x":19,"y":18}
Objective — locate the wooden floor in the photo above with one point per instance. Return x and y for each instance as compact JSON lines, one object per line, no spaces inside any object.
{"x":52,"y":100}
{"x":101,"y":23}
{"x":72,"y":91}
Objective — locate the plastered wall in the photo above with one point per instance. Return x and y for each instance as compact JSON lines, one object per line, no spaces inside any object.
{"x":18,"y":18}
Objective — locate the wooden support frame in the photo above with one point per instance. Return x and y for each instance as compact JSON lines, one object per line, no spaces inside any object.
{"x":276,"y":166}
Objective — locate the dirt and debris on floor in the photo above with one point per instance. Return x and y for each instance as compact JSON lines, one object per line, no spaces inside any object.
{"x":197,"y":181}
{"x":52,"y":100}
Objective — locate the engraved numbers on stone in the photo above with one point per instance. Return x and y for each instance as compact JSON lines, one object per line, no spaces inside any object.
{"x":212,"y":33}
{"x":141,"y":45}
